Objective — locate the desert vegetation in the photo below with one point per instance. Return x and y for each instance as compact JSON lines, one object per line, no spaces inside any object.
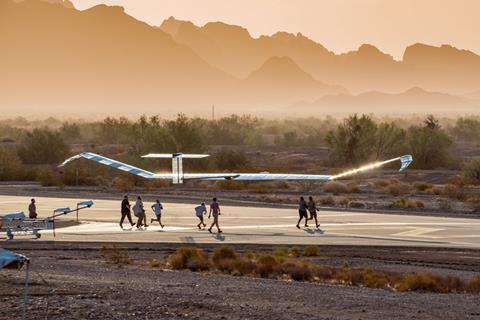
{"x":31,"y":150}
{"x":301,"y":265}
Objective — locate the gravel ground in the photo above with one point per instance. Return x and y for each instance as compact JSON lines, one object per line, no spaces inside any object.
{"x":86,"y":287}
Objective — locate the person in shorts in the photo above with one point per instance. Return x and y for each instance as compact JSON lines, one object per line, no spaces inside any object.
{"x":312,"y":208}
{"x":215,"y":211}
{"x":302,"y":212}
{"x":157,"y":209}
{"x":200,"y":211}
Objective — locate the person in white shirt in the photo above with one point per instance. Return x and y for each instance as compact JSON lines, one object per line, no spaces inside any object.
{"x":139,"y":212}
{"x":200,"y":211}
{"x":157,"y":209}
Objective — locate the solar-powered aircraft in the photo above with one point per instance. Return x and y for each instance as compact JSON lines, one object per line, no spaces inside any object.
{"x":178,"y":176}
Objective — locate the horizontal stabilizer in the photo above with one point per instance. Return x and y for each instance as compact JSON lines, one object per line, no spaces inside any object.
{"x":175,"y":155}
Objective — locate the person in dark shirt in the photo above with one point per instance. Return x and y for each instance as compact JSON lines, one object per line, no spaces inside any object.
{"x":32,"y":210}
{"x":302,"y":212}
{"x":125,"y":210}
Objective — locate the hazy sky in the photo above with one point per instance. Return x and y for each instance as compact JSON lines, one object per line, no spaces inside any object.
{"x":340,"y":25}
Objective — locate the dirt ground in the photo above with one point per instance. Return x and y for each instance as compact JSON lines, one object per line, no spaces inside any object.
{"x":81,"y":285}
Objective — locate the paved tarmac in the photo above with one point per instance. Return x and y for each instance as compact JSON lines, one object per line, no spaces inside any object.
{"x":253,"y":225}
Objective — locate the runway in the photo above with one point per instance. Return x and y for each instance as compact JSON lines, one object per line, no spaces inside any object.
{"x":254,"y":225}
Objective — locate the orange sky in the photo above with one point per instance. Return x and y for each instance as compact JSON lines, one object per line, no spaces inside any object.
{"x":340,"y":25}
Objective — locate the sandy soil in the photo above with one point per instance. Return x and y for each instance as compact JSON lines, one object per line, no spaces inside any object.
{"x":86,"y":287}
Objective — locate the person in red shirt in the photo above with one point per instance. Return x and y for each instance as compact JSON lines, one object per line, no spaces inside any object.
{"x":215,"y":211}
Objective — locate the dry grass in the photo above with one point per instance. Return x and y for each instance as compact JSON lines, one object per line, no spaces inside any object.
{"x":280,"y":266}
{"x":407,"y":203}
{"x":421,"y":281}
{"x":452,"y":191}
{"x":193,"y":259}
{"x":115,"y":255}
{"x":422,"y":186}
{"x":474,"y":285}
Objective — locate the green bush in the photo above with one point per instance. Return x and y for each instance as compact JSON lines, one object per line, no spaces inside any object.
{"x":310,"y":251}
{"x":471,"y":172}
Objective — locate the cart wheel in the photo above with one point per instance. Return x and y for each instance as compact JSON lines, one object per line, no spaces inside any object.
{"x":38,"y":235}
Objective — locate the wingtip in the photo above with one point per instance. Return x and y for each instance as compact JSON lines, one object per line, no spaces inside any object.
{"x":405,"y":160}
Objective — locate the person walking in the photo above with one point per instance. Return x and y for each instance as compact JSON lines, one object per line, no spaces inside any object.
{"x":215,"y":211}
{"x":312,"y":208}
{"x":125,"y":210}
{"x":157,"y":209}
{"x":32,"y":209}
{"x":200,"y":211}
{"x":139,"y":212}
{"x":302,"y":212}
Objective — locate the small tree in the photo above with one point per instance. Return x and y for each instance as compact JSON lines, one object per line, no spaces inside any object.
{"x":429,"y":144}
{"x":471,"y":171}
{"x":43,"y":146}
{"x":353,"y":141}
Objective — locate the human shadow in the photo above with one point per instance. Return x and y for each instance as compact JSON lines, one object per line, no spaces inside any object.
{"x":314,"y":231}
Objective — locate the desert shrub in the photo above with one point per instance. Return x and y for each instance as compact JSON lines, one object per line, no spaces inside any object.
{"x":244,"y":266}
{"x":295,"y":251}
{"x":124,"y":184}
{"x":473,"y":286}
{"x":224,"y":252}
{"x":405,"y":203}
{"x":10,"y":165}
{"x":298,"y":271}
{"x":422,"y":186}
{"x":381,"y":183}
{"x":452,"y":191}
{"x":224,"y":258}
{"x":353,"y":187}
{"x":310,"y":251}
{"x":444,"y":204}
{"x":327,"y":201}
{"x":356,"y":204}
{"x":474,"y":203}
{"x":420,"y":204}
{"x":342,"y":201}
{"x":115,"y":255}
{"x":471,"y":172}
{"x":231,"y":160}
{"x":396,"y":188}
{"x":43,"y":146}
{"x":420,"y":281}
{"x":436,"y":191}
{"x":189,"y":258}
{"x":47,"y":177}
{"x":335,"y":187}
{"x":154,"y":263}
{"x":324,"y":272}
{"x":374,"y":279}
{"x":266,"y":265}
{"x":280,"y":252}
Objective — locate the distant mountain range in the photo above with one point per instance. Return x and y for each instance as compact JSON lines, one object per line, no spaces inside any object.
{"x":100,"y":61}
{"x":413,"y":100}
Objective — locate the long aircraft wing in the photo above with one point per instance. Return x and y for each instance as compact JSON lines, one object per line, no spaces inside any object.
{"x":264,"y":176}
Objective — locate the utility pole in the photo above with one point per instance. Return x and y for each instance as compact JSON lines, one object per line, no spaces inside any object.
{"x":213,"y":112}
